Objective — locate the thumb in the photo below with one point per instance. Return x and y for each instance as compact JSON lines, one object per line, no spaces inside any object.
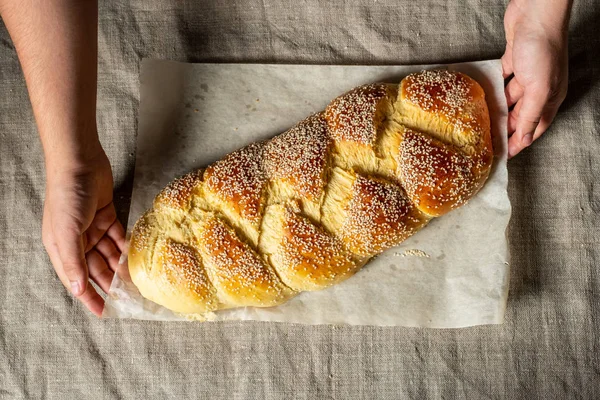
{"x":69,"y":242}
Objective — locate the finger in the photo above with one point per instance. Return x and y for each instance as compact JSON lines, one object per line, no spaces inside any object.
{"x":515,"y":146}
{"x":545,"y":122}
{"x":52,"y":247}
{"x":117,"y":235}
{"x":90,"y":297}
{"x":48,"y":241}
{"x":52,"y":251}
{"x":103,"y":220}
{"x":109,"y":252}
{"x":71,"y":252}
{"x":528,"y":118}
{"x":92,"y":300}
{"x":511,"y":123}
{"x":513,"y":92}
{"x":512,"y":119}
{"x":506,"y":60}
{"x":99,"y":271}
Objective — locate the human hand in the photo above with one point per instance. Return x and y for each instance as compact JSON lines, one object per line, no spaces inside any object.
{"x":536,"y":56}
{"x":80,"y":230}
{"x":59,"y":56}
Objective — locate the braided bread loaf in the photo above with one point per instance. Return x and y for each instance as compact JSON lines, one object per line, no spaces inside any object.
{"x":306,"y":209}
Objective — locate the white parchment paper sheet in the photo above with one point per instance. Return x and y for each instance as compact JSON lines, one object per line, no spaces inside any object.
{"x":193,"y":114}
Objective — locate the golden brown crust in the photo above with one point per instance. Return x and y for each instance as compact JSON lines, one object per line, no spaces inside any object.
{"x":378,"y":217}
{"x":184,"y":280}
{"x":450,"y":96}
{"x":304,"y":255}
{"x":356,"y":115}
{"x":239,"y":180}
{"x":242,"y":278}
{"x":308,"y":208}
{"x":441,"y":170}
{"x":166,"y":271}
{"x":437,"y":178}
{"x":141,"y":245}
{"x":298,"y":157}
{"x":369,"y":214}
{"x":177,"y":195}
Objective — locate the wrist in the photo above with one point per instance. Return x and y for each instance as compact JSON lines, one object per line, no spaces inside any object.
{"x":550,"y":17}
{"x":78,"y":157}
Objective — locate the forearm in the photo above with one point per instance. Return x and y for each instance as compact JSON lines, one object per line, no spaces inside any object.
{"x":56,"y":41}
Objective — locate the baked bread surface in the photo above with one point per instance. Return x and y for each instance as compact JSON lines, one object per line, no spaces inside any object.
{"x":308,"y":208}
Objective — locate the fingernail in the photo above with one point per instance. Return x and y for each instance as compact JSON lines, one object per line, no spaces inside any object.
{"x":75,"y":288}
{"x":527,"y":139}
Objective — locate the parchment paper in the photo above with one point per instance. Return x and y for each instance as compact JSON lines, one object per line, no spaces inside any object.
{"x":453,"y":273}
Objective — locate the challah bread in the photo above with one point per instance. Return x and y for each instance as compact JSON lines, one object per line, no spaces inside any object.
{"x":308,"y":208}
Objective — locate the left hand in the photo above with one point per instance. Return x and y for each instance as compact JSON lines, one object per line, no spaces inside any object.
{"x":536,"y":53}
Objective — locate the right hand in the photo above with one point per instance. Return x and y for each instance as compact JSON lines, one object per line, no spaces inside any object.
{"x":80,"y":230}
{"x":536,"y":56}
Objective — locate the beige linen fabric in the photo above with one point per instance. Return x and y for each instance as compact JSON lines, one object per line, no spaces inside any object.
{"x":50,"y":347}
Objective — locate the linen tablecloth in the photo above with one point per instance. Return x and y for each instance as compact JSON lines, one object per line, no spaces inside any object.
{"x":51,"y":347}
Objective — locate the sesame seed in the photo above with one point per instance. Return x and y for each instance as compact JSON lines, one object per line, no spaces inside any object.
{"x":378,"y":216}
{"x":445,"y":93}
{"x":299,"y":155}
{"x":438,"y":176}
{"x":308,"y":252}
{"x":236,"y":268}
{"x":210,"y":251}
{"x":183,"y":268}
{"x":177,"y":193}
{"x":240,"y":179}
{"x":351,"y":117}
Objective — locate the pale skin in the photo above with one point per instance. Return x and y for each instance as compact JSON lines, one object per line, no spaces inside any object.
{"x":536,"y":61}
{"x":56,"y":41}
